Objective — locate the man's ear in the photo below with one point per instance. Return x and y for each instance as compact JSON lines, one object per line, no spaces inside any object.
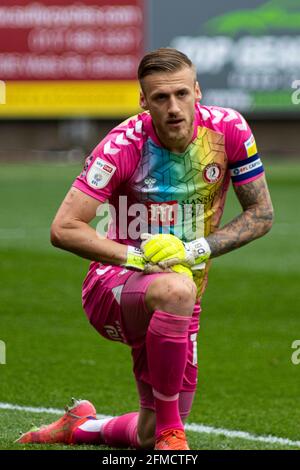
{"x":143,"y":102}
{"x":198,"y":93}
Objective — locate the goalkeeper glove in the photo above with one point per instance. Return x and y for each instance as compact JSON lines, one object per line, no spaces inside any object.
{"x":176,"y":268}
{"x":180,"y":269}
{"x":136,"y":260}
{"x":167,"y":250}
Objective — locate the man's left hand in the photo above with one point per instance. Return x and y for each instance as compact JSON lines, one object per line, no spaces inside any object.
{"x":167,"y":250}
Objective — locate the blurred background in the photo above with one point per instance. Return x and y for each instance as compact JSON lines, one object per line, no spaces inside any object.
{"x":70,"y":68}
{"x":67,"y":76}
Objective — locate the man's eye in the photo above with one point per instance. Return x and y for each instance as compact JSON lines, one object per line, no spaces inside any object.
{"x":182,"y":93}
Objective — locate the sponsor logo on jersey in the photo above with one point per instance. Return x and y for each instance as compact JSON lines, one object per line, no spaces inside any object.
{"x":107,"y":168}
{"x":212,"y":173}
{"x":203,"y":199}
{"x":149,"y":182}
{"x":163,"y":213}
{"x":100,"y":173}
{"x":250,"y":146}
{"x":115,"y":333}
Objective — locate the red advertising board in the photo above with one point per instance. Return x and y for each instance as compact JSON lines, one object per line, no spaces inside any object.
{"x":67,"y":40}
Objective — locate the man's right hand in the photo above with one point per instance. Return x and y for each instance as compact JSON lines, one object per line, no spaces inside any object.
{"x":136,"y":260}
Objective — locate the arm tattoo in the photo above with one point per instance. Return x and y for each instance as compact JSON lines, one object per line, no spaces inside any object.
{"x":255,"y":220}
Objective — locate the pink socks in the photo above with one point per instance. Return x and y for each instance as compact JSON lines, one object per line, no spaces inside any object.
{"x":167,"y":345}
{"x":115,"y":432}
{"x":121,"y":431}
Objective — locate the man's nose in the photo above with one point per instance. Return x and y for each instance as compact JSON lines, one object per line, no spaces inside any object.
{"x":173,"y":105}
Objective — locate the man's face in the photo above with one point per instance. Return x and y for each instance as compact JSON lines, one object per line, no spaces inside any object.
{"x":170,"y":97}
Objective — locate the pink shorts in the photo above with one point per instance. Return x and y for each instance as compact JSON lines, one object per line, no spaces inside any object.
{"x":114,"y":301}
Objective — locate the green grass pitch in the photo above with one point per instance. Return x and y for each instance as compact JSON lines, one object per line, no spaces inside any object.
{"x":250,"y":318}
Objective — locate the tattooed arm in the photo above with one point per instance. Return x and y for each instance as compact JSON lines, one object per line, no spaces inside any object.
{"x":255,"y":221}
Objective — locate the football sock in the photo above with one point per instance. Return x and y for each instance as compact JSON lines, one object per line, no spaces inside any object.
{"x":121,"y":431}
{"x":89,"y":432}
{"x":167,"y":346}
{"x":115,"y":432}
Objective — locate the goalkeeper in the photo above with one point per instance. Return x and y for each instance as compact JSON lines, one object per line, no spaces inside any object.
{"x":145,"y":283}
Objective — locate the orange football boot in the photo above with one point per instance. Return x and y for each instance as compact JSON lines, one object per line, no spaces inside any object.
{"x":171,"y":439}
{"x":61,"y":431}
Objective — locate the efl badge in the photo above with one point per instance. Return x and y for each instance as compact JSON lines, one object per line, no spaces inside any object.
{"x":212,"y":173}
{"x":100,"y":173}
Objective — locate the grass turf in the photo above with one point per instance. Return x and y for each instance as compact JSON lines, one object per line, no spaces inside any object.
{"x":250,"y":319}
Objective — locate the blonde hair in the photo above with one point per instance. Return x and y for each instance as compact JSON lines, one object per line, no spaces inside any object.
{"x":164,"y":59}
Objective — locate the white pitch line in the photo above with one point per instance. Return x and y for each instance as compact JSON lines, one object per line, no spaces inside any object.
{"x":198,"y":428}
{"x":33,"y":409}
{"x":203,"y":429}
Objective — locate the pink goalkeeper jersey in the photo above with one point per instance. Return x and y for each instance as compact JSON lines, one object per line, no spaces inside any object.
{"x":183,"y":193}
